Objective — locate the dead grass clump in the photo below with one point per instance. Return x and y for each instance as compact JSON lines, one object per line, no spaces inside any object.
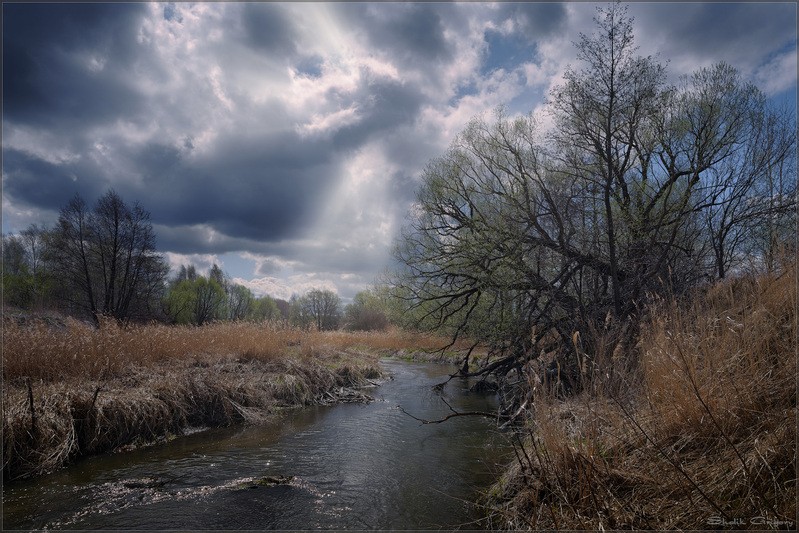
{"x":36,"y":441}
{"x":145,"y":404}
{"x":707,"y":439}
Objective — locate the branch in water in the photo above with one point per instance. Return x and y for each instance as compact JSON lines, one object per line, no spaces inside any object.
{"x":453,"y":415}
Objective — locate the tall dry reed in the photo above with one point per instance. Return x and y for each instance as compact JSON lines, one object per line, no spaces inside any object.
{"x":39,"y":351}
{"x":702,"y":435}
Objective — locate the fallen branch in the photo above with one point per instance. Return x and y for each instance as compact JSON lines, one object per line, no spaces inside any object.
{"x":453,"y":415}
{"x":343,"y":395}
{"x":31,"y":406}
{"x":515,"y":415}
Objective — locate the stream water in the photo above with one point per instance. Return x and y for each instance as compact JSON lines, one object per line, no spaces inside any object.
{"x":351,"y":466}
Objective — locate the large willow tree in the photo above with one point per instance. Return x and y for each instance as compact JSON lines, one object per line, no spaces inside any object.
{"x":536,"y":241}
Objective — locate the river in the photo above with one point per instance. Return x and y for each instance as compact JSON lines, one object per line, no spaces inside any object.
{"x":352,"y":466}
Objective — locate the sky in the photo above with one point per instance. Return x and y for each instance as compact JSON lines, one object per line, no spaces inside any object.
{"x":285,"y":141}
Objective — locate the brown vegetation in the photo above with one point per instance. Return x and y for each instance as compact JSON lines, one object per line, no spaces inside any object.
{"x":55,"y":350}
{"x":702,"y":433}
{"x":71,"y":390}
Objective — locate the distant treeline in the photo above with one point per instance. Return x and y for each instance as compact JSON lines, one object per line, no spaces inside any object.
{"x":102,"y":262}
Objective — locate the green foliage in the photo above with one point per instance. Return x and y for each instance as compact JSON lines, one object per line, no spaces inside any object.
{"x":195,"y":301}
{"x":265,"y":309}
{"x":15,"y":260}
{"x":27,"y":279}
{"x":180,"y":302}
{"x":18,"y":289}
{"x":210,"y":300}
{"x":240,"y":302}
{"x":368,"y":311}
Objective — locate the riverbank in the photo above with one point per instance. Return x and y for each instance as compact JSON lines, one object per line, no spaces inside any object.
{"x":71,"y":391}
{"x":349,"y":467}
{"x":695,"y":429}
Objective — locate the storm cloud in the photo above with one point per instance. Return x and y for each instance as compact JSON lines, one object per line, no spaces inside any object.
{"x":285,"y":140}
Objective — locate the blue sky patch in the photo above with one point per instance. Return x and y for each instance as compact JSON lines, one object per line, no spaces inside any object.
{"x":506,"y":52}
{"x":169,"y":12}
{"x":310,"y":67}
{"x":465,"y":89}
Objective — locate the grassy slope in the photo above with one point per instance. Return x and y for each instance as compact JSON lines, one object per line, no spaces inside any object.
{"x":94,"y":390}
{"x":701,"y":433}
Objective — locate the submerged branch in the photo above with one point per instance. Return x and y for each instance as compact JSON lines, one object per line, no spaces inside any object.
{"x":453,"y":415}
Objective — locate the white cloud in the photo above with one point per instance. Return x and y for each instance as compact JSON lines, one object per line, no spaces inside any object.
{"x":39,"y":143}
{"x":320,"y":124}
{"x":297,"y":284}
{"x":777,"y":75}
{"x":269,"y":263}
{"x":202,"y":262}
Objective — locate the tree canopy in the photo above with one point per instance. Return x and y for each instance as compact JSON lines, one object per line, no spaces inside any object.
{"x":528,"y":240}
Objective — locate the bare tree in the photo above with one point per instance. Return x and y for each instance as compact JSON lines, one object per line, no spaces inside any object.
{"x":319,"y":308}
{"x":325,"y":307}
{"x":107,"y":258}
{"x":603,"y":111}
{"x":751,"y":195}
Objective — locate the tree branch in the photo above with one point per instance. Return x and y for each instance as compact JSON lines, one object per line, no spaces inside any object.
{"x":453,"y":415}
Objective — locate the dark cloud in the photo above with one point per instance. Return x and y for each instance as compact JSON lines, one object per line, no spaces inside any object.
{"x":411,"y":33}
{"x":75,"y":26}
{"x":196,"y":239}
{"x":707,"y":27}
{"x":415,"y":31}
{"x":32,"y":181}
{"x":158,"y":160}
{"x":383,"y":105}
{"x":265,"y":189}
{"x":717,"y":31}
{"x":268,"y":28}
{"x":535,"y":20}
{"x":47,"y":53}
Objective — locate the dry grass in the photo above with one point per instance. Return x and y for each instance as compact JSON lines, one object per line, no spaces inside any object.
{"x":38,"y":350}
{"x":71,"y":390}
{"x":703,"y":436}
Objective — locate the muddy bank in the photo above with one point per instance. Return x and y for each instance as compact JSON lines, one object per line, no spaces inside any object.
{"x":49,"y":424}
